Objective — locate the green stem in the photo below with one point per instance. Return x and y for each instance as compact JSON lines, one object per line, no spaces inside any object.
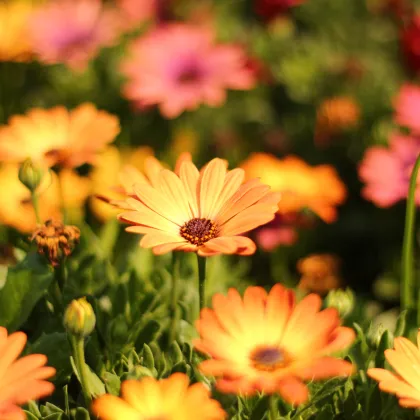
{"x":78,"y":346}
{"x":202,"y":280}
{"x":60,"y":274}
{"x":174,"y":297}
{"x":407,"y":291}
{"x":35,"y":204}
{"x":273,"y":410}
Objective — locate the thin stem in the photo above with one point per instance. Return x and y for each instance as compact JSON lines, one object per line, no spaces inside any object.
{"x":78,"y":345}
{"x":202,"y":280}
{"x":174,"y":297}
{"x":60,"y":274}
{"x":35,"y":204}
{"x":407,"y":291}
{"x":273,"y":410}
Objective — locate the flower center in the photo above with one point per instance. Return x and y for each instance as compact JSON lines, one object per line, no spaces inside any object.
{"x":268,"y":358}
{"x":189,"y":75}
{"x":198,"y":231}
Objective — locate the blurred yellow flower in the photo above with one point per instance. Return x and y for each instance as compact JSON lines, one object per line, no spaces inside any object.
{"x":15,"y":42}
{"x":16,"y":209}
{"x":301,"y":186}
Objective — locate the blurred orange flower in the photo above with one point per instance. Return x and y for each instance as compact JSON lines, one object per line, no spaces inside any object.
{"x":204,"y":212}
{"x":301,"y":186}
{"x":15,"y":42}
{"x":17,"y":210}
{"x":268,"y":343}
{"x":58,"y":136}
{"x":170,"y":398}
{"x":21,"y":380}
{"x":405,"y":384}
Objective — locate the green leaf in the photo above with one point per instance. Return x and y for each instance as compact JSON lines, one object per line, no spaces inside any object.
{"x":384,"y":343}
{"x":259,"y":409}
{"x":80,"y":414}
{"x":112,"y":383}
{"x":148,"y":358}
{"x":30,"y":416}
{"x":96,"y":386}
{"x":326,"y":413}
{"x":26,"y":283}
{"x":401,"y":324}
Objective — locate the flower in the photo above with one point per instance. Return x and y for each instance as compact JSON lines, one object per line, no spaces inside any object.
{"x":320,"y":273}
{"x":17,"y":210}
{"x":179,"y":66}
{"x":79,"y":318}
{"x":406,"y":105}
{"x":15,"y":42}
{"x":410,"y":39}
{"x":301,"y":186}
{"x":268,"y":343}
{"x":21,"y":380}
{"x":136,"y":12}
{"x":58,"y":136}
{"x":405,"y":384}
{"x":148,"y":398}
{"x":335,"y":115}
{"x":55,"y":240}
{"x":386,"y":171}
{"x":203,"y":212}
{"x":72,"y":31}
{"x":269,"y":9}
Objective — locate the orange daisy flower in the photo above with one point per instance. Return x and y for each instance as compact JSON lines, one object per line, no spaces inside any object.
{"x":58,"y":136}
{"x":171,"y":399}
{"x":405,"y":384}
{"x":301,"y":186}
{"x":267,"y":342}
{"x":20,"y":380}
{"x":203,"y":212}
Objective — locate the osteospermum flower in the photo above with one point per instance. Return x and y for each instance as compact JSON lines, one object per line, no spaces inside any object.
{"x":21,"y":380}
{"x":148,"y":398}
{"x":301,"y":186}
{"x":386,"y":171}
{"x":180,"y":67}
{"x":268,"y":343}
{"x":204,"y":212}
{"x":405,"y":383}
{"x":58,"y":136}
{"x":406,"y":107}
{"x":136,"y":12}
{"x":15,"y":42}
{"x":72,"y":31}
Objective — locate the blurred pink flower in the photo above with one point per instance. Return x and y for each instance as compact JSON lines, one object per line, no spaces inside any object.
{"x":407,"y":106}
{"x":386,"y":171}
{"x":136,"y":12}
{"x":179,"y":67}
{"x":269,"y":9}
{"x":72,"y":31}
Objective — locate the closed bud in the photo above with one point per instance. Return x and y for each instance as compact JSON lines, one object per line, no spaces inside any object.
{"x":30,"y":175}
{"x":79,"y":318}
{"x":342,"y":300}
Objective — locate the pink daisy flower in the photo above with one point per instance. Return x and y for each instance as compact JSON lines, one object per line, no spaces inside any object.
{"x":179,"y":67}
{"x":407,"y":106}
{"x":72,"y":31}
{"x":136,"y":12}
{"x":387,"y":171}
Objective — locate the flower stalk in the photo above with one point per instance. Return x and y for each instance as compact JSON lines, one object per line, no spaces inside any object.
{"x":408,"y":289}
{"x":272,"y":407}
{"x":174,"y":297}
{"x":202,"y":281}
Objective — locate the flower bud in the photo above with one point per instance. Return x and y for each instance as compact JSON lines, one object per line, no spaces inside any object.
{"x":342,"y":300}
{"x":79,"y":318}
{"x":30,"y":175}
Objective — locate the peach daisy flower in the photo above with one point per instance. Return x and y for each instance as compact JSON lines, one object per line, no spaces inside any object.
{"x":301,"y":186}
{"x":180,"y":66}
{"x":405,"y":383}
{"x":268,"y":343}
{"x":58,"y":136}
{"x":21,"y":380}
{"x":15,"y":42}
{"x":72,"y":31}
{"x":172,"y":399}
{"x":204,"y":212}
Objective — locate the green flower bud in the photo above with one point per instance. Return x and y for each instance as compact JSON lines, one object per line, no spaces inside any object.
{"x":342,"y":300}
{"x":79,"y":318}
{"x":30,"y":175}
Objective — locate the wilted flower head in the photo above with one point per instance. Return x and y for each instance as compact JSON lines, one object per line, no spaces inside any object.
{"x":58,"y":136}
{"x":407,"y":105}
{"x":21,"y":379}
{"x":386,"y":171}
{"x":15,"y":43}
{"x":72,"y":31}
{"x":269,"y":343}
{"x":149,"y":398}
{"x":410,"y":39}
{"x":56,"y":240}
{"x":405,"y":383}
{"x":301,"y":186}
{"x":269,"y":9}
{"x":180,"y":66}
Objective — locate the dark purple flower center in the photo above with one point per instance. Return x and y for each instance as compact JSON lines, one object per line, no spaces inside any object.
{"x":198,"y":231}
{"x":268,"y":358}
